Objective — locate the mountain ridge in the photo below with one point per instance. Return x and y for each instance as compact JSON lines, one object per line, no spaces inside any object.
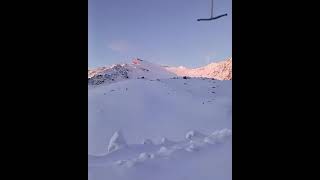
{"x":138,"y":68}
{"x":221,"y":70}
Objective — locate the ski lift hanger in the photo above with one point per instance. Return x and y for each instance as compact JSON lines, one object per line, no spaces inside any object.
{"x":212,"y":18}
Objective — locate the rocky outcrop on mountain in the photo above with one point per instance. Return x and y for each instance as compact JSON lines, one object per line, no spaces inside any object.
{"x":102,"y":75}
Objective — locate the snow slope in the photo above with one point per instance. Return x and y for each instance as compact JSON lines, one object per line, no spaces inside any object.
{"x":200,"y":158}
{"x":158,"y":127}
{"x":148,"y":108}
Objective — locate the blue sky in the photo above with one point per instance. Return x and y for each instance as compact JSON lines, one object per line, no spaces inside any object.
{"x":161,"y":31}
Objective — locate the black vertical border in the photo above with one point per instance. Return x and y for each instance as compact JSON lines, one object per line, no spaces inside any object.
{"x":45,"y":101}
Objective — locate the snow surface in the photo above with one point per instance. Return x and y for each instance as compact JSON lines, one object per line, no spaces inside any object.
{"x":117,"y":141}
{"x":181,"y":160}
{"x":159,"y":127}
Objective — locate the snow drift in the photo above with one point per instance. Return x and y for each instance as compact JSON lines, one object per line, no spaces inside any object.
{"x":180,"y":160}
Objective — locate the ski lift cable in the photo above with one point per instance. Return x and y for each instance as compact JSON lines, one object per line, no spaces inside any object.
{"x":211,"y":17}
{"x":211,"y":8}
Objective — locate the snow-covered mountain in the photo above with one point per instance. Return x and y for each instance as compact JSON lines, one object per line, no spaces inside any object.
{"x":144,"y":69}
{"x":145,"y":122}
{"x":137,"y":69}
{"x":221,"y":70}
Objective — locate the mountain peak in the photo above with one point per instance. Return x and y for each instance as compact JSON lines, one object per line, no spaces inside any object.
{"x":138,"y":69}
{"x":136,"y":61}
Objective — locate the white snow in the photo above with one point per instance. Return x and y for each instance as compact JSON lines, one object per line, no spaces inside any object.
{"x":147,"y":141}
{"x":117,"y":141}
{"x":176,"y":162}
{"x":194,"y":134}
{"x":155,"y":109}
{"x":145,"y":156}
{"x":171,"y":128}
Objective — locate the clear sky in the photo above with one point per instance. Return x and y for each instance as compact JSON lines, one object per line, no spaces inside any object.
{"x":161,"y":31}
